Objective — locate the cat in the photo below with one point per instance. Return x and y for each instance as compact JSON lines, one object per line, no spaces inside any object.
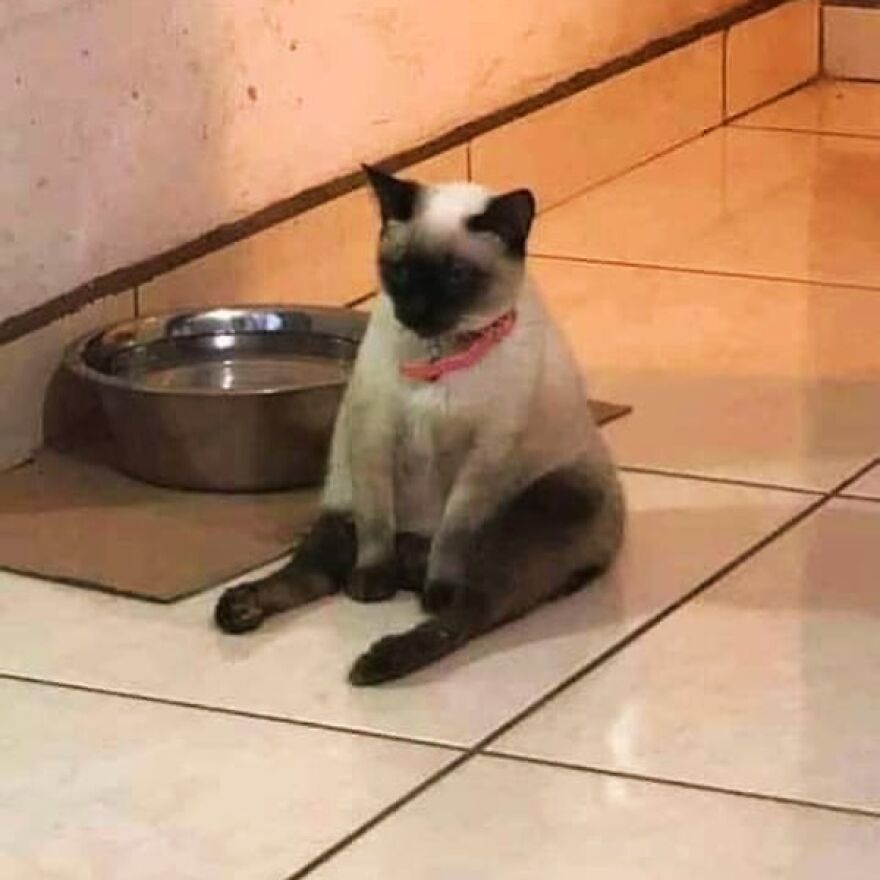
{"x":465,"y":464}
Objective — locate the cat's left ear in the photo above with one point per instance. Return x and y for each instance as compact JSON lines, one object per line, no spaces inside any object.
{"x":397,"y":198}
{"x":510,"y":218}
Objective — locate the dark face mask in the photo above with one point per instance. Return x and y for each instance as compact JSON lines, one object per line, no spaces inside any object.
{"x":432,"y":292}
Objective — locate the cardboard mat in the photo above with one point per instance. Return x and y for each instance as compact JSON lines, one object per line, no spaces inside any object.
{"x":69,"y":517}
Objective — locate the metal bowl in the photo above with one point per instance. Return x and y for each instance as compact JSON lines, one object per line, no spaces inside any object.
{"x":231,"y":399}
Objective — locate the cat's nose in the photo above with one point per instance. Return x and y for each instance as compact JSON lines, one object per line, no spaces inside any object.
{"x":412,"y":311}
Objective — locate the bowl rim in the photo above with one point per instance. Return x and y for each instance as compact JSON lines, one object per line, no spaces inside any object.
{"x":74,"y":360}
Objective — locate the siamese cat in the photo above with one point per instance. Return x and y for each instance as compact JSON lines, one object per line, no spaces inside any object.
{"x":465,"y":464}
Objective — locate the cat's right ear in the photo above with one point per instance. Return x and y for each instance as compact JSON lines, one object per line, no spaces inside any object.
{"x":510,"y":218}
{"x":397,"y":198}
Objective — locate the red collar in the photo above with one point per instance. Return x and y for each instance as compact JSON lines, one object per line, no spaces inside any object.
{"x":476,"y":345}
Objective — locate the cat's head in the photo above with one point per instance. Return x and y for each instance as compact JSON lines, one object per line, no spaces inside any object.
{"x":451,"y":257}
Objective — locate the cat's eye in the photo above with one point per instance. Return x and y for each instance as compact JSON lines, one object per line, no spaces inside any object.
{"x":395,"y":273}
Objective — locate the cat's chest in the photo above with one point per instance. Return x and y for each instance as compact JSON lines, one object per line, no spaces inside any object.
{"x":433,"y":420}
{"x":431,"y":446}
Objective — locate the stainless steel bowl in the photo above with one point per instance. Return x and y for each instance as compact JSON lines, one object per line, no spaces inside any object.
{"x":231,"y":399}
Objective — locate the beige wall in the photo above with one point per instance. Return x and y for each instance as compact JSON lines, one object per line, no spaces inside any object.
{"x":129,"y":126}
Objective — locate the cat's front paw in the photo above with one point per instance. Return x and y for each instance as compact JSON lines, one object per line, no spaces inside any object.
{"x":238,"y":610}
{"x":372,"y":583}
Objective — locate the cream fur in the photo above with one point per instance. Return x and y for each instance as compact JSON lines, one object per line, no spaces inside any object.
{"x":438,"y":458}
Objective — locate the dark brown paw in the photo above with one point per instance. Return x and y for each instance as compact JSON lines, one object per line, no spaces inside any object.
{"x":437,"y":596}
{"x":378,"y":664}
{"x":238,"y":610}
{"x":398,"y":655}
{"x":372,"y":584}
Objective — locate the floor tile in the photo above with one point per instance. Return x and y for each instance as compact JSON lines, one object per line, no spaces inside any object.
{"x":767,"y":683}
{"x":729,"y":377}
{"x":515,"y":821}
{"x":829,"y":107}
{"x":779,"y":204}
{"x":562,"y":149}
{"x":772,"y":52}
{"x":868,"y":486}
{"x":98,"y":788}
{"x":680,"y":532}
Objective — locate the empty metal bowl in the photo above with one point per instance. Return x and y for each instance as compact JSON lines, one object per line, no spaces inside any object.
{"x":231,"y":399}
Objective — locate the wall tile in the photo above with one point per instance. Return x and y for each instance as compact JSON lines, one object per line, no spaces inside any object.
{"x":570,"y":145}
{"x":770,"y":53}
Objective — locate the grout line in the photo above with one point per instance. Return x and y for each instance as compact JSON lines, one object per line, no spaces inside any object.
{"x":688,"y":140}
{"x":857,"y":4}
{"x":685,"y":784}
{"x":545,"y":209}
{"x":724,"y":123}
{"x":469,"y":162}
{"x":479,"y":748}
{"x":691,"y":270}
{"x":873,"y":81}
{"x":791,"y":130}
{"x":724,"y":481}
{"x":390,"y":810}
{"x":841,"y":488}
{"x":224,"y":710}
{"x":361,"y":299}
{"x":809,"y":81}
{"x":855,"y":496}
{"x":725,"y":36}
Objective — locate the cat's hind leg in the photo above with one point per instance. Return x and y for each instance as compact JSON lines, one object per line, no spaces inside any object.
{"x":321,"y":565}
{"x":397,"y":655}
{"x":549,"y":540}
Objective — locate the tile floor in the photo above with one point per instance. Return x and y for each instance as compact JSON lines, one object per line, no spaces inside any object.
{"x":710,"y":707}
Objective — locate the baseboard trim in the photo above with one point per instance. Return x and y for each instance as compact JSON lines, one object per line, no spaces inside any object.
{"x":863,"y":4}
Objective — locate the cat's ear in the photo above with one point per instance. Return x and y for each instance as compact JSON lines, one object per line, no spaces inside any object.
{"x":397,"y":198}
{"x":509,"y":217}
